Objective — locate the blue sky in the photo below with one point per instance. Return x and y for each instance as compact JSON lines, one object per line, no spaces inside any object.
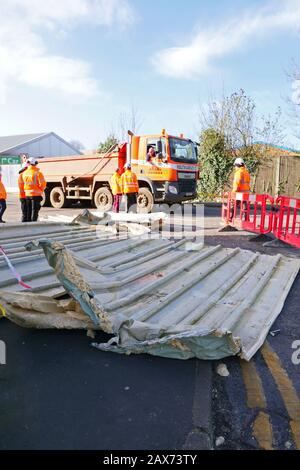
{"x":72,"y":66}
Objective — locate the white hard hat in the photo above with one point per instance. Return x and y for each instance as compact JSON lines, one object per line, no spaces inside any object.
{"x":239,"y":162}
{"x":127,"y":165}
{"x":32,"y":161}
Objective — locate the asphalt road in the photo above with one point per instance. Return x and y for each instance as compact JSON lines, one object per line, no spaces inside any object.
{"x":57,"y":392}
{"x":258,"y":405}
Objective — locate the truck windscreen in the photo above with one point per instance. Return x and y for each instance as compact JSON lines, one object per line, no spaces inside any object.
{"x":183,"y":150}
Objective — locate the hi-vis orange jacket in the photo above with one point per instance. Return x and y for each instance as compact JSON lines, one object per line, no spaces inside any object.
{"x":241,"y":180}
{"x":34,"y":182}
{"x":21,"y":186}
{"x":116,"y":184}
{"x":129,"y":182}
{"x":3,"y":194}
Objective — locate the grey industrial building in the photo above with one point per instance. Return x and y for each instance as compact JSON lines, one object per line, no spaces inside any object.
{"x":46,"y":144}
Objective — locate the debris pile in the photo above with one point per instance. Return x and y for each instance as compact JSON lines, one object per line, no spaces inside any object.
{"x":153,"y":295}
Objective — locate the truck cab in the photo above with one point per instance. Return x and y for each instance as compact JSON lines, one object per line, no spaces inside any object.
{"x":171,"y":176}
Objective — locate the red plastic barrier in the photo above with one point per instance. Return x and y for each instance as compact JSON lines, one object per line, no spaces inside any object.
{"x":286,"y":220}
{"x":250,"y":212}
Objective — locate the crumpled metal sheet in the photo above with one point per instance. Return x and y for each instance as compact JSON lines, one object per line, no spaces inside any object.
{"x":38,"y":311}
{"x":171,"y":302}
{"x":92,"y":217}
{"x":85,"y":240}
{"x":83,"y":236}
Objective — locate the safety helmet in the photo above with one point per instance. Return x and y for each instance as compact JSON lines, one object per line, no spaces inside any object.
{"x":239,"y":162}
{"x":127,"y":166}
{"x":32,"y":161}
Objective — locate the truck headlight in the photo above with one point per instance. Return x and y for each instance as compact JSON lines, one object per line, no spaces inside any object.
{"x":173,"y":190}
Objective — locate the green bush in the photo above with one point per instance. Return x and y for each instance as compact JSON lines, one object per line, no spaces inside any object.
{"x":215,"y":165}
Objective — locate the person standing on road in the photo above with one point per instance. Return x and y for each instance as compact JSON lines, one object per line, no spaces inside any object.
{"x":34,"y":186}
{"x":3,"y":197}
{"x":22,"y":195}
{"x":116,"y":189}
{"x":241,"y":181}
{"x":130,"y":186}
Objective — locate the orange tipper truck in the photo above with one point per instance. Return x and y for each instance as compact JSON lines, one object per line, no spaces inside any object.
{"x":170,"y":177}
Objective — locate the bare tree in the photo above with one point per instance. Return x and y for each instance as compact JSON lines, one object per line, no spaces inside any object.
{"x":118,"y":131}
{"x":270,"y":129}
{"x":77,"y":145}
{"x":129,"y":120}
{"x":236,"y":118}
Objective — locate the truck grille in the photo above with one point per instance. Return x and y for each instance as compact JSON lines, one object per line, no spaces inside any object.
{"x":187,"y":186}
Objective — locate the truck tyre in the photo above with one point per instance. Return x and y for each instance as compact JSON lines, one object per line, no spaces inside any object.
{"x":145,"y":200}
{"x":57,"y":198}
{"x":103,"y":199}
{"x":43,"y":201}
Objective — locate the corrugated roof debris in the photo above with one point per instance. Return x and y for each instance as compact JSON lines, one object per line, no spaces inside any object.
{"x":152,"y":295}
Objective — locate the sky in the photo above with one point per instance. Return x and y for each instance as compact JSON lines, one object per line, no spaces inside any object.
{"x":73,"y":66}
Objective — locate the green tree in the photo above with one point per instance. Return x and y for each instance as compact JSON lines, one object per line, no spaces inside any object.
{"x":110,"y":142}
{"x":215,"y":164}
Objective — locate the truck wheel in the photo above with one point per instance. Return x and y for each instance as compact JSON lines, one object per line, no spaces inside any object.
{"x":43,"y":201}
{"x":103,"y":199}
{"x":57,"y":198}
{"x":145,"y":200}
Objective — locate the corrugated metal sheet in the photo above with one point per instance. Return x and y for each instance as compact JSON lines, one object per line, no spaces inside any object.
{"x":33,"y":266}
{"x":153,"y":294}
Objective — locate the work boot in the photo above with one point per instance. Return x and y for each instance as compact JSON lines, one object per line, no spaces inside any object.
{"x":2,"y":221}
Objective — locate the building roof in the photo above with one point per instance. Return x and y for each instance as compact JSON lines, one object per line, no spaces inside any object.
{"x":11,"y":141}
{"x":278,"y":149}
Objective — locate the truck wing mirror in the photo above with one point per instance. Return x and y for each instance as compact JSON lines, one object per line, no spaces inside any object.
{"x":159,"y":147}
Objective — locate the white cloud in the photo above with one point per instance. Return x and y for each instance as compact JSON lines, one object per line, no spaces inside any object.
{"x":23,"y":54}
{"x":67,"y":75}
{"x":197,"y":57}
{"x":104,"y":12}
